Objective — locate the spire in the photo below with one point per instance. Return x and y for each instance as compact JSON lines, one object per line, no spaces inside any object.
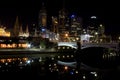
{"x":16,"y":28}
{"x":35,"y":35}
{"x":21,"y":30}
{"x":27,"y":31}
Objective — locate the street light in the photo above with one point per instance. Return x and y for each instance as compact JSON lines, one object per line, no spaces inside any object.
{"x":66,"y":35}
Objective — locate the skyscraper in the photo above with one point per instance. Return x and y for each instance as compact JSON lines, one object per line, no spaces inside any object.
{"x":93,"y":24}
{"x":63,"y":31}
{"x":54,"y":24}
{"x":62,"y":20}
{"x":42,"y":19}
{"x":76,"y":25}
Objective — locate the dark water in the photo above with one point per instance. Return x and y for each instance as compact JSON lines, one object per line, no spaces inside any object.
{"x":38,"y":68}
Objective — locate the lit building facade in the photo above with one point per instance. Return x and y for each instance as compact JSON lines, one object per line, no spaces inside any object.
{"x":76,"y":27}
{"x":42,"y":21}
{"x":24,"y":33}
{"x":62,"y":28}
{"x":93,"y":24}
{"x":54,"y":24}
{"x":4,"y":33}
{"x":13,"y":42}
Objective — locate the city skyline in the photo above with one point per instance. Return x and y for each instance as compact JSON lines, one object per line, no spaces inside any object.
{"x":28,"y":12}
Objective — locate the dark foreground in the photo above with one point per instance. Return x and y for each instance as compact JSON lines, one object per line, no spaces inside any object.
{"x":39,"y":68}
{"x":34,"y":69}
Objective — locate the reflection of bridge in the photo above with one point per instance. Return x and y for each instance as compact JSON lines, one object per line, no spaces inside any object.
{"x":85,"y":45}
{"x":94,"y":58}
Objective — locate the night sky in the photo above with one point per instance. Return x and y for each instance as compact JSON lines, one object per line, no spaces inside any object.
{"x":27,"y":10}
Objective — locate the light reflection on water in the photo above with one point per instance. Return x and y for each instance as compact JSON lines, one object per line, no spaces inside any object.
{"x":47,"y":68}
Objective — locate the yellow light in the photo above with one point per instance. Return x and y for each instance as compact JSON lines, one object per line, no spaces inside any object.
{"x":56,"y":22}
{"x":66,"y":68}
{"x":119,"y":37}
{"x":100,"y":25}
{"x":66,"y":35}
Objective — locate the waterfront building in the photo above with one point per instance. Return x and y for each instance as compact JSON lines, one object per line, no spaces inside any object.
{"x":24,"y":33}
{"x":4,"y":33}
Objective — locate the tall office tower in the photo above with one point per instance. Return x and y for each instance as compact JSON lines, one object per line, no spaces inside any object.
{"x":101,"y":29}
{"x":79,"y":26}
{"x":42,"y":19}
{"x":32,"y":29}
{"x":76,"y":25}
{"x":101,"y":34}
{"x":54,"y":24}
{"x":16,"y":28}
{"x":67,"y":24}
{"x":93,"y":25}
{"x":61,"y":21}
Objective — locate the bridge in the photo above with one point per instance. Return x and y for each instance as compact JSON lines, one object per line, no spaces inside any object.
{"x":114,"y":46}
{"x":70,"y":44}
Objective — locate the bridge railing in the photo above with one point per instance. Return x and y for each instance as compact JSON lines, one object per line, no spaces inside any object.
{"x":115,"y":46}
{"x":107,"y":45}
